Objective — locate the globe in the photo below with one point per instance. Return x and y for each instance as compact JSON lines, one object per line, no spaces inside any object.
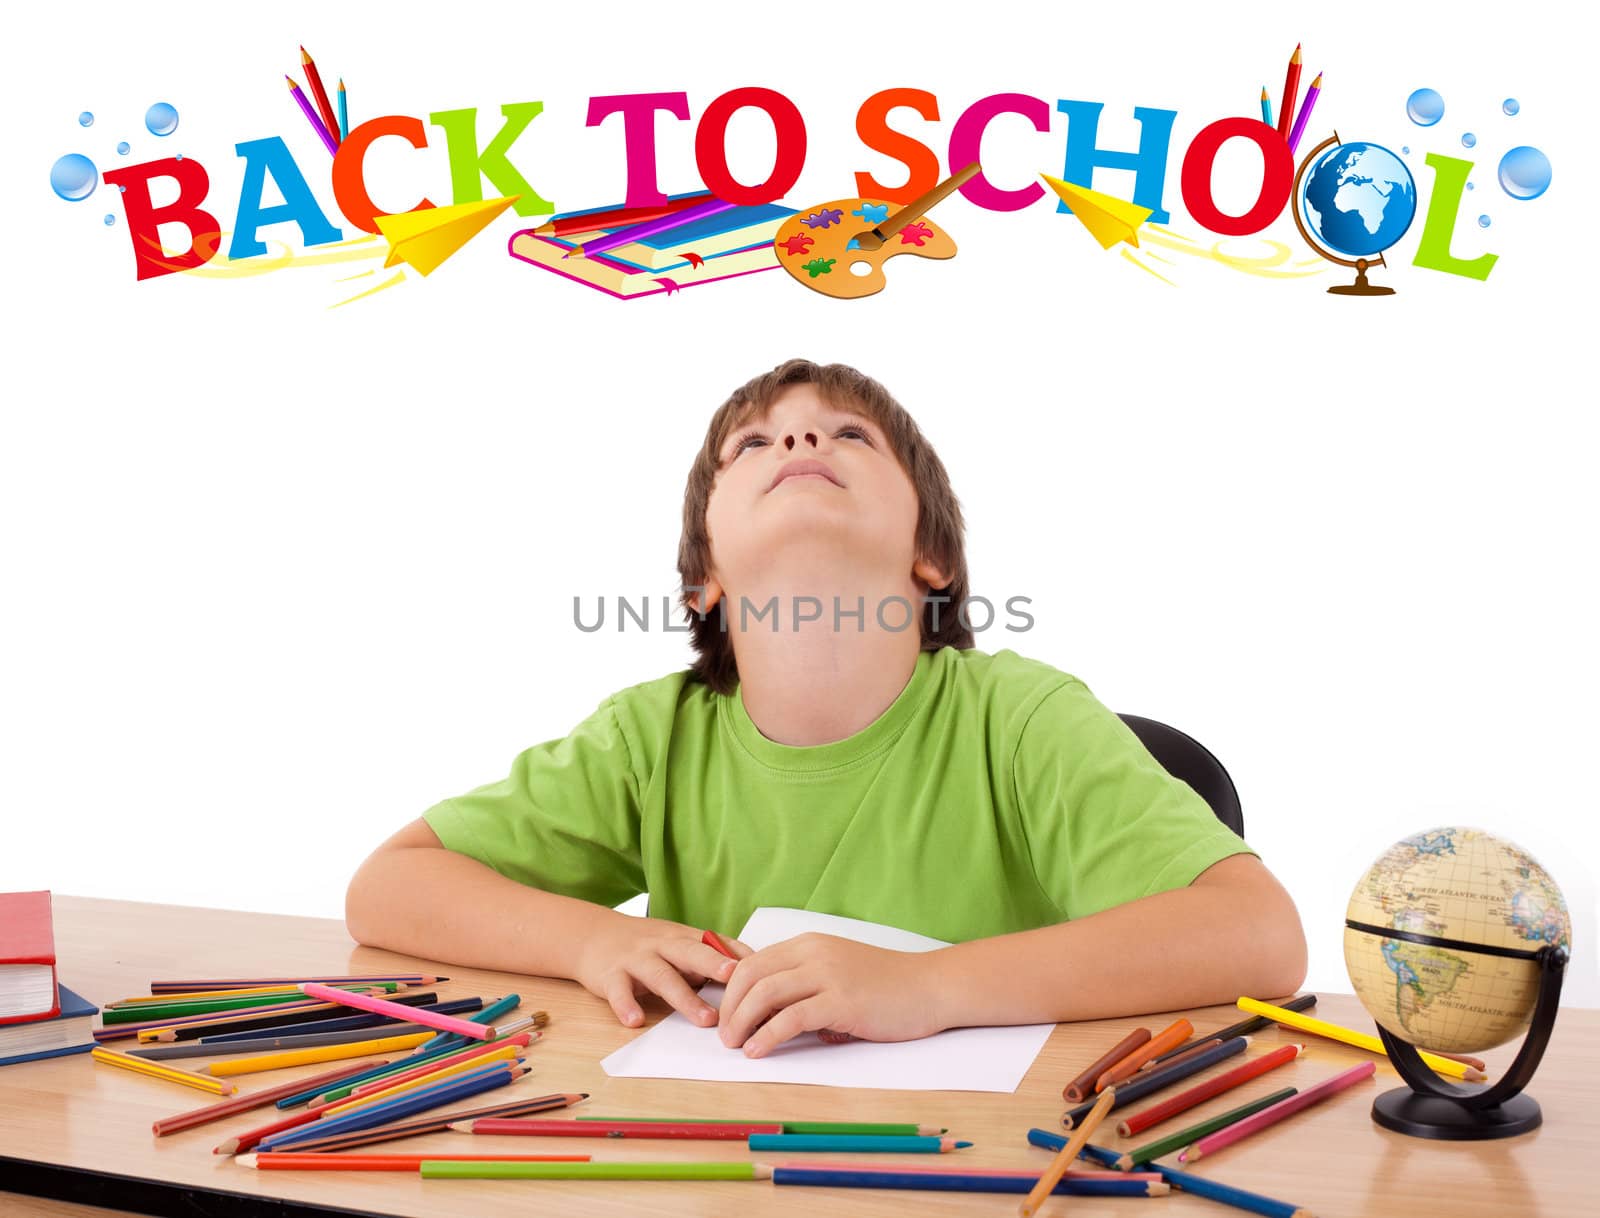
{"x":1448,"y":890}
{"x":1357,"y":199}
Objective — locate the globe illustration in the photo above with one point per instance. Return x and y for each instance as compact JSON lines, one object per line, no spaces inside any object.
{"x":1357,"y":199}
{"x":1439,"y":895}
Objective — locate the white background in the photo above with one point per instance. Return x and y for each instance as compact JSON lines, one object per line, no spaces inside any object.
{"x":277,"y":577}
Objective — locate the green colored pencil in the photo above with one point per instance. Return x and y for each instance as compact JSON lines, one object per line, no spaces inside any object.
{"x":454,"y":1169}
{"x":854,"y":1127}
{"x":143,"y":1012}
{"x":1177,"y":1141}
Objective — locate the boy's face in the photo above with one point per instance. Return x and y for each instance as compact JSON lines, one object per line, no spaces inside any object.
{"x":814,"y":482}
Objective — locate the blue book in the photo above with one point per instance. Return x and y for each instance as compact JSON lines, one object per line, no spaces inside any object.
{"x":54,"y":1037}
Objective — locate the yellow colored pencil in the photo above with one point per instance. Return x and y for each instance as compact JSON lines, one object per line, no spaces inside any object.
{"x":512,"y":1053}
{"x":1361,"y":1040}
{"x":321,"y":1053}
{"x":1068,"y":1154}
{"x":156,"y":1070}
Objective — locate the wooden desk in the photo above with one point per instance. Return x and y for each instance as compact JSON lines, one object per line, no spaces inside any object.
{"x":80,"y":1132}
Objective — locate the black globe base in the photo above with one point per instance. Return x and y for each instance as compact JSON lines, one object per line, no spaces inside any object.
{"x":1432,"y":1116}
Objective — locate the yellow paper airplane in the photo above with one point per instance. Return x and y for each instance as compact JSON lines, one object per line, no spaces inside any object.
{"x":424,"y":239}
{"x":1108,"y":218}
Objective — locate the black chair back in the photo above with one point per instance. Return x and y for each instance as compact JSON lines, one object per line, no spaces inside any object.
{"x":1182,"y":756}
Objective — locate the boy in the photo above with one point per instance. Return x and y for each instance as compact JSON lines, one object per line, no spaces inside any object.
{"x":840,"y":745}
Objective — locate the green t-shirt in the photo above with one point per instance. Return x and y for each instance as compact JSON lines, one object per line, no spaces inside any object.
{"x":995,"y":794}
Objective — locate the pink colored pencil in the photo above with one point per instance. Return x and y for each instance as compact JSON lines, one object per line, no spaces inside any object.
{"x":259,"y":1099}
{"x":1305,"y":113}
{"x":1271,"y":1116}
{"x":1003,"y":1173}
{"x":1185,"y":1100}
{"x":397,"y":1010}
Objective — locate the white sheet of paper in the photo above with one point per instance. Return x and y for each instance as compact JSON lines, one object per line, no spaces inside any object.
{"x":961,"y":1059}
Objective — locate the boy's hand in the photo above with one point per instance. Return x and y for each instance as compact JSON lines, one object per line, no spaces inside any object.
{"x":817,"y":982}
{"x":631,"y":956}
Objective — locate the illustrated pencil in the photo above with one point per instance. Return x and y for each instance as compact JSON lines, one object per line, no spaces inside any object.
{"x":230,"y":983}
{"x":884,"y":1128}
{"x":326,"y":136}
{"x":446,"y":1169}
{"x":1069,"y":1151}
{"x":1103,"y":1184}
{"x":1239,"y":1130}
{"x":1169,"y":1037}
{"x":853,"y":1143}
{"x":344,"y":114}
{"x":321,"y":1053}
{"x":289,"y":1160}
{"x":404,"y":1106}
{"x":638,"y":232}
{"x":1155,"y":1080}
{"x":1304,"y":116}
{"x":1266,"y":107}
{"x":241,"y":1103}
{"x":1291,"y":87}
{"x":1348,"y":1036}
{"x":1183,"y":1055}
{"x":385,"y":1006}
{"x":1081,"y":1087}
{"x":436,"y":1124}
{"x":314,"y":78}
{"x":698,"y":1131}
{"x":1256,"y":1023}
{"x":1194,"y":1096}
{"x":586,"y":221}
{"x":1151,"y":1151}
{"x":171,"y":1074}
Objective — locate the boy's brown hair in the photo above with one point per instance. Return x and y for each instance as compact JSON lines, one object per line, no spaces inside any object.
{"x":940,"y":529}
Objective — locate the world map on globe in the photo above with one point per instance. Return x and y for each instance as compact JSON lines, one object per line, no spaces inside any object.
{"x":1461,"y":884}
{"x":1358,"y":199}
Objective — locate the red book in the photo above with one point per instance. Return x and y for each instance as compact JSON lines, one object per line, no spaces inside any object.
{"x":27,"y":958}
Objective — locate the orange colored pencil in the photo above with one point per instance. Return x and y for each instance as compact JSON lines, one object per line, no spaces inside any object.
{"x":1291,"y":86}
{"x":1080,"y":1088}
{"x":1170,"y":1037}
{"x":287,"y":1160}
{"x":323,"y":107}
{"x":1068,"y":1154}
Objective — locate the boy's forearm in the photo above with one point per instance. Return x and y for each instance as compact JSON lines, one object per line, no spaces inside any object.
{"x":1190,"y":947}
{"x":445,"y":906}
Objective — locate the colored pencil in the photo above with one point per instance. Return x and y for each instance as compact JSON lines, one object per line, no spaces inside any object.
{"x":1170,"y":1036}
{"x":250,"y":1016}
{"x":495,"y":1048}
{"x":1183,"y":1055}
{"x":207,"y":1047}
{"x":1184,"y":1181}
{"x":1361,"y":1040}
{"x":714,"y":940}
{"x":290,"y":1021}
{"x":1304,"y":116}
{"x":1214,"y":1142}
{"x":511,"y":1054}
{"x":383,"y":1006}
{"x":853,"y":1143}
{"x":1244,"y":1027}
{"x":1185,"y":1100}
{"x":254,"y":995}
{"x":125,"y":1031}
{"x":615,"y":217}
{"x":882,"y":1128}
{"x":446,"y":1169}
{"x":252,"y":1138}
{"x":231,"y":983}
{"x":344,"y":114}
{"x":1266,"y":107}
{"x":1155,"y":1080}
{"x":1081,"y":1087}
{"x":307,"y":1057}
{"x":138,"y":1065}
{"x":377,"y":1079}
{"x":1291,"y":86}
{"x":490,"y":1013}
{"x":638,"y":232}
{"x":241,"y":1103}
{"x":328,"y":141}
{"x":288,"y":1160}
{"x":394,"y":1110}
{"x":314,"y":78}
{"x":435,"y":1124}
{"x":1150,"y":1151}
{"x":454,"y":1076}
{"x":1069,"y":1151}
{"x":916,"y":1169}
{"x":1104,"y":1184}
{"x":697,"y":1131}
{"x":334,"y":1021}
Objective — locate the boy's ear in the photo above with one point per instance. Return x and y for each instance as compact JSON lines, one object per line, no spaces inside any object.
{"x":709,"y":595}
{"x":930,"y":573}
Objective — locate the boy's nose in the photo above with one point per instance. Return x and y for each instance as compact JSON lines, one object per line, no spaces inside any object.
{"x":788,"y":439}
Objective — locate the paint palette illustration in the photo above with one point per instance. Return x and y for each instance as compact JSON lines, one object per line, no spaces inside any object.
{"x":821,"y":246}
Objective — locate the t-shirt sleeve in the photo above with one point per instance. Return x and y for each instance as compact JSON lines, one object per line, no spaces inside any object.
{"x":1105,"y":822}
{"x":565,"y":820}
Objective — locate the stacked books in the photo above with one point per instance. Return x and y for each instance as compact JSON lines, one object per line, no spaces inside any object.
{"x":664,"y":257}
{"x":39,"y":1017}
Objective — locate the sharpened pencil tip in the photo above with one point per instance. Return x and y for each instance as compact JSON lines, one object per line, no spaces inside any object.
{"x":962,"y":1145}
{"x":245,"y":1160}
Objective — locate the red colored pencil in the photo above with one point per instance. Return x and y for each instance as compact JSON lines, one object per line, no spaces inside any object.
{"x":1082,"y":1087}
{"x":323,"y":106}
{"x":1184,"y":1100}
{"x":1291,"y":86}
{"x":712,"y":939}
{"x":722,"y":1132}
{"x":288,"y":1160}
{"x":258,"y":1099}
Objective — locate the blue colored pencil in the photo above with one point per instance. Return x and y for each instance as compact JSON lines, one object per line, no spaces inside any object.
{"x":305,"y":1097}
{"x":344,"y":114}
{"x":398,"y":1108}
{"x":455,"y":1040}
{"x":954,"y":1182}
{"x":1141,"y":1085}
{"x":1266,"y":107}
{"x":868,"y":1142}
{"x":344,"y":1023}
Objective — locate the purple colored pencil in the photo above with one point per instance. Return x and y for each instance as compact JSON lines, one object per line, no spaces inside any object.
{"x":328,"y":141}
{"x":1304,"y":116}
{"x":650,"y":228}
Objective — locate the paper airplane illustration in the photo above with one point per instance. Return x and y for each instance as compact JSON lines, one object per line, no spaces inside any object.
{"x":1108,"y":218}
{"x":424,"y":239}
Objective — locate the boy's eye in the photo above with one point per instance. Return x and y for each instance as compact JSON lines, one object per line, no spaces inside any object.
{"x":745,"y":441}
{"x":751,"y":438}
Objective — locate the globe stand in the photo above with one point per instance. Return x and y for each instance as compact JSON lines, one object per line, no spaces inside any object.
{"x":1361,"y":287}
{"x":1431,"y":1108}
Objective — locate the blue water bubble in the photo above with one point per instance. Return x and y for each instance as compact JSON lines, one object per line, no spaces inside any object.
{"x":1525,"y":172}
{"x":1468,"y":139}
{"x":86,"y":119}
{"x":1470,"y":186}
{"x":1425,"y":107}
{"x":121,"y":188}
{"x":1511,"y":105}
{"x":180,"y":156}
{"x":1483,"y":221}
{"x":74,"y":177}
{"x":161,"y":119}
{"x":122,"y":148}
{"x":1405,"y":149}
{"x":110,"y":219}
